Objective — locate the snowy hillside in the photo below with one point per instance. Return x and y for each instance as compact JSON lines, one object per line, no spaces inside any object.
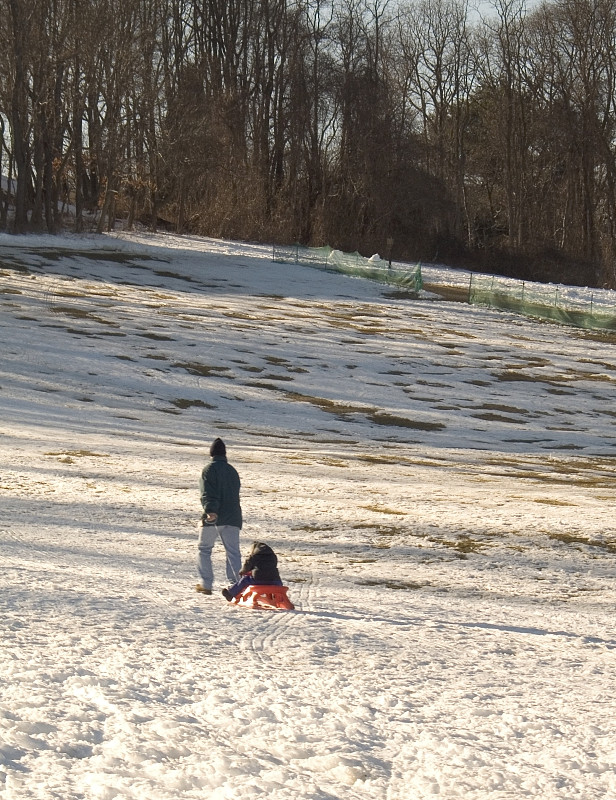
{"x":437,"y":480}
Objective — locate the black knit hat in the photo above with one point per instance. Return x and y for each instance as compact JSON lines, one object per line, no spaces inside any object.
{"x":218,"y":448}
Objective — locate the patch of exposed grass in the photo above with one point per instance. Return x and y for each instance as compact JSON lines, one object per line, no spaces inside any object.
{"x":370,"y":458}
{"x":435,"y":384}
{"x":241,"y":315}
{"x":157,"y":337}
{"x":461,"y":334}
{"x":332,"y":406}
{"x":334,"y":462}
{"x":503,"y":408}
{"x":272,"y":387}
{"x":599,"y":336}
{"x":67,"y":294}
{"x":490,"y":417}
{"x":94,"y":334}
{"x":462,"y":545}
{"x":314,"y":528}
{"x":182,"y":403}
{"x":569,"y":538}
{"x":276,"y":360}
{"x":175,"y":275}
{"x":382,"y":418}
{"x":203,"y":370}
{"x":381,"y":510}
{"x":272,"y":377}
{"x":583,"y":375}
{"x":77,"y":454}
{"x":556,"y":380}
{"x":552,"y":501}
{"x":81,"y":313}
{"x":404,"y":585}
{"x":345,"y":410}
{"x":516,"y":375}
{"x":16,"y":264}
{"x":380,"y":530}
{"x":593,"y":473}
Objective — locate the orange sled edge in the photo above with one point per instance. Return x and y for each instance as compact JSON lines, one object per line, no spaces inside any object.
{"x":262,"y":596}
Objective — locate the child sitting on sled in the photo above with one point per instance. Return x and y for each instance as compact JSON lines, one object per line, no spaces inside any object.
{"x":260,"y":568}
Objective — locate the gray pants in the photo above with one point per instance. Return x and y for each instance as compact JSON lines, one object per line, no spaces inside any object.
{"x":230,"y":537}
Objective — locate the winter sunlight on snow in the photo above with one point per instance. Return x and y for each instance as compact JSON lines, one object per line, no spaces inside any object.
{"x":437,"y":480}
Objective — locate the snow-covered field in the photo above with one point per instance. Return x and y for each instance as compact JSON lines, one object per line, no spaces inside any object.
{"x":437,"y":479}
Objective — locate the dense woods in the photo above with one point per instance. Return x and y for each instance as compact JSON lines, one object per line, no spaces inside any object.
{"x":422,"y":130}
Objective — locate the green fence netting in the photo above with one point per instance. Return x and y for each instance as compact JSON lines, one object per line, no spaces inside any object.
{"x":350,"y":264}
{"x":584,"y":308}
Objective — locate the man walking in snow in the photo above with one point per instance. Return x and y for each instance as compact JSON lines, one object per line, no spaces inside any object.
{"x":222,"y":516}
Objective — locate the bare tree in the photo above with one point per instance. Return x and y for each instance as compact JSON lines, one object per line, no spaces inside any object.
{"x":20,"y":117}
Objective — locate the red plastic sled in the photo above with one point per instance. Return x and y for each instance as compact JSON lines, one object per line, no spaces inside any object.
{"x":261,"y":596}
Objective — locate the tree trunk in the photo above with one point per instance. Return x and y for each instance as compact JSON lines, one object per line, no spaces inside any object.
{"x":19,"y":119}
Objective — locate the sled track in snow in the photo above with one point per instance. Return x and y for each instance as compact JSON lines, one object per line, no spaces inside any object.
{"x":10,"y":535}
{"x":304,"y":594}
{"x":273,"y":625}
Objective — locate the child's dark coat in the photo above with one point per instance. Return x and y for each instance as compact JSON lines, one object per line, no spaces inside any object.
{"x":262,"y":562}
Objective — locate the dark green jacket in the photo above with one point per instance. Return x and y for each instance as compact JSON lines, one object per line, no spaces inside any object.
{"x":220,"y":492}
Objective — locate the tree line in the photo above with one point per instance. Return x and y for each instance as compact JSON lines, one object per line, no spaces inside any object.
{"x":421,"y":130}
